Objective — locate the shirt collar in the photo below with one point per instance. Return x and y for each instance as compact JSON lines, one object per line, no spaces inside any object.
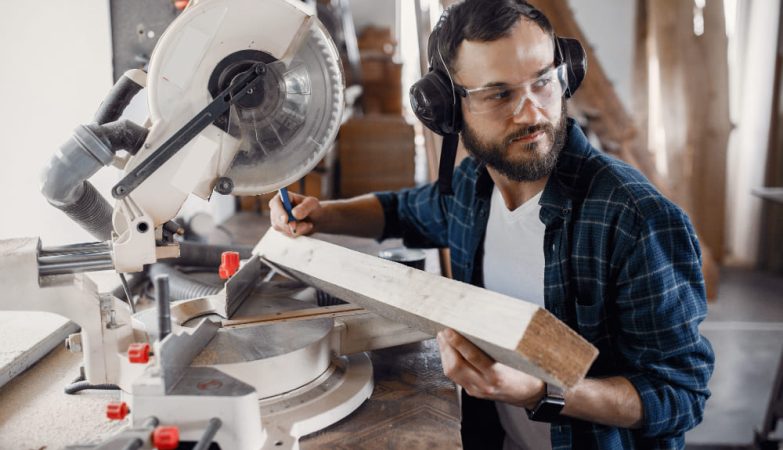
{"x":484,"y":183}
{"x":565,"y":185}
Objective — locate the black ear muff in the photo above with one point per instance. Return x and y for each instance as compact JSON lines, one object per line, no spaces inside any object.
{"x":438,"y":107}
{"x":436,"y":104}
{"x":571,"y":52}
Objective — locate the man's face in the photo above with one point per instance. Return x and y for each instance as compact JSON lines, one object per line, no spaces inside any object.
{"x":524,"y":145}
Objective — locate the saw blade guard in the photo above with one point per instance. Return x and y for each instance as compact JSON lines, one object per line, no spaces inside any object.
{"x":274,"y":137}
{"x":290,"y":131}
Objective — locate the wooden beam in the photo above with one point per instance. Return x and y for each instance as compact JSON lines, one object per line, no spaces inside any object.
{"x":432,"y":141}
{"x":771,"y":248}
{"x":618,"y":132}
{"x":596,"y":97}
{"x":514,"y":332}
{"x":694,"y":103}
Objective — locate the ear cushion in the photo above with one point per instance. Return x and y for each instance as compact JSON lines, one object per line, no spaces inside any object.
{"x":436,"y":104}
{"x":571,"y":52}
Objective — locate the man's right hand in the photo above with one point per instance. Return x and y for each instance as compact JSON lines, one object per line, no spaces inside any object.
{"x":306,"y":210}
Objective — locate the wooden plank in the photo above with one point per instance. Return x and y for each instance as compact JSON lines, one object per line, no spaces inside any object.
{"x":513,"y":332}
{"x":432,"y":141}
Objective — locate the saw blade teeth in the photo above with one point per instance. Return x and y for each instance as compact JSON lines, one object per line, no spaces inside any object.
{"x":327,"y":82}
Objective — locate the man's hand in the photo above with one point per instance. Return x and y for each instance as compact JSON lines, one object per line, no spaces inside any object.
{"x":483,"y":377}
{"x":611,"y":401}
{"x":306,"y":210}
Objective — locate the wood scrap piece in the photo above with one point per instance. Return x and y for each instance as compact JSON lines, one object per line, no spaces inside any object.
{"x":297,"y":314}
{"x":513,"y":332}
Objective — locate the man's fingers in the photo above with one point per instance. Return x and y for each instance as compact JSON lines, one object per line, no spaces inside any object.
{"x":281,"y":224}
{"x":303,"y":228}
{"x":456,"y":367}
{"x":305,"y":207}
{"x":472,"y":354}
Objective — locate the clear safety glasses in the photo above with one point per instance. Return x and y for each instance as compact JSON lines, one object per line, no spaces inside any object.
{"x":504,"y":101}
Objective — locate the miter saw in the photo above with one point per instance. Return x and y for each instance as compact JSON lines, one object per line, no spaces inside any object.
{"x":245,"y":97}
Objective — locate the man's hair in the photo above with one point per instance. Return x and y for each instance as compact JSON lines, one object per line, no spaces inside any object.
{"x":478,"y":20}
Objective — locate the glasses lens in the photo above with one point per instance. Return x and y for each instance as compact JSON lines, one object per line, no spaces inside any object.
{"x":492,"y":99}
{"x":548,"y":88}
{"x":505,"y":100}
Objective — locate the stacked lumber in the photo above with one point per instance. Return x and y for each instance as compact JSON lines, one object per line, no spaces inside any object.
{"x":376,"y":154}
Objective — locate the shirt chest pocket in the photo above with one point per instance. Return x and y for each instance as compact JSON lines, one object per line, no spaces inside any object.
{"x":591,"y":322}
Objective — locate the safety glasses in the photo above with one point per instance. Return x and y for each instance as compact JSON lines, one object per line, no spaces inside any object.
{"x":504,"y":101}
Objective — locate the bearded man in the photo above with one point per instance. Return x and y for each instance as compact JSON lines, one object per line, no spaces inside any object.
{"x":538,"y":214}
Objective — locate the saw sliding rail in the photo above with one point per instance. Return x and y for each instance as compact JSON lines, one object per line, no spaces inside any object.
{"x":76,"y":258}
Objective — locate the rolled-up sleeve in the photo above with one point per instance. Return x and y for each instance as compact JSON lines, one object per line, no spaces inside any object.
{"x":661,"y":302}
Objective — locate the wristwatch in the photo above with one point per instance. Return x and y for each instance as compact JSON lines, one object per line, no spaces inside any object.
{"x":548,"y":408}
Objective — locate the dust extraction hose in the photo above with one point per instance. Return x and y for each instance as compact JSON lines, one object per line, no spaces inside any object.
{"x":91,"y":211}
{"x":89,"y":148}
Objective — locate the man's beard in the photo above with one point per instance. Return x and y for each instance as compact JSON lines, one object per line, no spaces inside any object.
{"x":536,"y":167}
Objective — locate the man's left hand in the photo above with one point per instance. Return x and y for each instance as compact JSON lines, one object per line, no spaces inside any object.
{"x":483,"y":377}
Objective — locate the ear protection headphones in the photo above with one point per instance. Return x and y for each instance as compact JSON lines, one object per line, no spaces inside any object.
{"x":437,"y":105}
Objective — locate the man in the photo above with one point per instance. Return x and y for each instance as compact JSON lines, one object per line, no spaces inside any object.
{"x":539,"y":214}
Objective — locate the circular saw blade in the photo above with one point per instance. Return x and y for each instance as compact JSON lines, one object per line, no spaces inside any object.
{"x":280,"y":140}
{"x":285,"y":137}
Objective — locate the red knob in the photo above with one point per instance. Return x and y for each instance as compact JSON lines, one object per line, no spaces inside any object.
{"x":165,"y":438}
{"x":181,"y":4}
{"x":117,"y":410}
{"x":139,"y":353}
{"x":229,"y":264}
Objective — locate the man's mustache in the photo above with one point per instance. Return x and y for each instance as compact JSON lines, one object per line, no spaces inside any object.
{"x":548,"y":128}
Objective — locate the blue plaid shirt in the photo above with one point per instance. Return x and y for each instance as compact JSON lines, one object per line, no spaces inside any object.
{"x":622,"y":268}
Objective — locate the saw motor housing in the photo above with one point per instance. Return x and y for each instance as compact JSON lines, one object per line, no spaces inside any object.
{"x":271,"y":137}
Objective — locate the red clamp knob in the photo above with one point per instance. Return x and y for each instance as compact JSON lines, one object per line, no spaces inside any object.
{"x":229,"y":264}
{"x":117,"y":410}
{"x":139,"y":353}
{"x":165,"y":438}
{"x":181,"y":4}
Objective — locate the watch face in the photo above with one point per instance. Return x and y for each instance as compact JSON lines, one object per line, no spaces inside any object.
{"x":547,"y":410}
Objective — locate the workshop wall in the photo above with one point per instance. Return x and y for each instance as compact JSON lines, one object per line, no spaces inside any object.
{"x":374,"y":13}
{"x":57,"y":68}
{"x":613,"y":45}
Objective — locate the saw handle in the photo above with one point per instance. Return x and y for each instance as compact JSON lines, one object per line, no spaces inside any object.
{"x":120,"y":95}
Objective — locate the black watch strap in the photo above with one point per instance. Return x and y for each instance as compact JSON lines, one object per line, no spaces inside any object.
{"x":548,"y":408}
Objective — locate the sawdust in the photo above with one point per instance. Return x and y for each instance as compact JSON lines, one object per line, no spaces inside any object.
{"x":36,"y":413}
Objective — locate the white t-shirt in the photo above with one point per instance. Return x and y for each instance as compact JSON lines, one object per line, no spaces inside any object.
{"x":514,"y":265}
{"x":514,"y":250}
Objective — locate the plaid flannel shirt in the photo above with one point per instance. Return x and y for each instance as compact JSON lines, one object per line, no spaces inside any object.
{"x":622,"y":268}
